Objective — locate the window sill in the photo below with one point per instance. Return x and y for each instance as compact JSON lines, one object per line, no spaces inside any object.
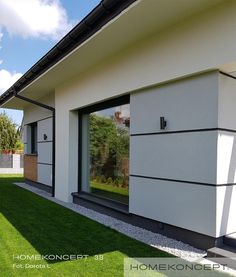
{"x":117,"y":206}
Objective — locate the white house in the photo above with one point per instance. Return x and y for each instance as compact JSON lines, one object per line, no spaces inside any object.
{"x":161,"y":71}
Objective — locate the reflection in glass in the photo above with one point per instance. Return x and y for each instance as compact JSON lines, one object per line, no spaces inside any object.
{"x":108,"y":150}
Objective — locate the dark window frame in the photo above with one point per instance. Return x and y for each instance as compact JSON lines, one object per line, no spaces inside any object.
{"x":33,"y":138}
{"x":122,"y":100}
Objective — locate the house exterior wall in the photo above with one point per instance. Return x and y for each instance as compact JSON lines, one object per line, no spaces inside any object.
{"x":188,"y":104}
{"x":182,"y":158}
{"x":43,"y":118}
{"x":159,"y":58}
{"x":181,"y":177}
{"x":226,"y":157}
{"x":186,"y":157}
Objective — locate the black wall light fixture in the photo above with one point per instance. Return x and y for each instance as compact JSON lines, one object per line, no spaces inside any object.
{"x":163,"y":123}
{"x":45,"y":136}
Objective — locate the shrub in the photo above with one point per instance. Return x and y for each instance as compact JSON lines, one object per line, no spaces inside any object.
{"x":116,"y":182}
{"x":98,"y":179}
{"x":109,"y":181}
{"x":103,"y":179}
{"x":125,"y":182}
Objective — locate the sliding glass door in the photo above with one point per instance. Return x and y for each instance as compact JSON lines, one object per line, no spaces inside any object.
{"x":105,"y":152}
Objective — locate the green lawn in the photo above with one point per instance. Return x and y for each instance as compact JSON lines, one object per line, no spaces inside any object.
{"x":31,"y":225}
{"x":110,"y":188}
{"x":110,"y":191}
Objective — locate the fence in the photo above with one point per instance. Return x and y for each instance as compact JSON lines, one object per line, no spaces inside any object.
{"x":11,"y":163}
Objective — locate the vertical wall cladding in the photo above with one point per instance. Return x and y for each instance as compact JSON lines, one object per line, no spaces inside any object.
{"x":171,"y":169}
{"x":45,"y":151}
{"x":43,"y":117}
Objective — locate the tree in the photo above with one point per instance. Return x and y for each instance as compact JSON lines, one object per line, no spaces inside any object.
{"x":9,"y":135}
{"x":109,"y":147}
{"x":102,"y":135}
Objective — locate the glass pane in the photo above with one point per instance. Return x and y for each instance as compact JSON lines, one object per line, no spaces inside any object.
{"x":34,"y":138}
{"x":108,"y":136}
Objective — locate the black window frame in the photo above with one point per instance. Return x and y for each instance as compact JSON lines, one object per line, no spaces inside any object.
{"x":33,"y":138}
{"x":122,"y":100}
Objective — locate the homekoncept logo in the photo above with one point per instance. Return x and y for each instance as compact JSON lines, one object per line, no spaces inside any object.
{"x":49,"y":257}
{"x":25,"y":261}
{"x":176,"y":267}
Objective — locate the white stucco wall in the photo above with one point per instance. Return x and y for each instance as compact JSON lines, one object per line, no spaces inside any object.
{"x":33,"y":113}
{"x":208,"y":157}
{"x":66,"y":153}
{"x":171,"y":54}
{"x":188,"y":206}
{"x":191,"y":103}
{"x":186,"y":156}
{"x":190,"y":106}
{"x":226,"y":156}
{"x":186,"y":104}
{"x":196,"y":44}
{"x":225,"y":210}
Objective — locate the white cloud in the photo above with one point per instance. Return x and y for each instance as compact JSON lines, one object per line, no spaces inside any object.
{"x":34,"y":18}
{"x":1,"y":35}
{"x":7,"y":79}
{"x":30,"y":18}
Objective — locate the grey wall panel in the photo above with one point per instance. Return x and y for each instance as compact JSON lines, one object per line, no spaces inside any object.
{"x":190,"y":103}
{"x":188,"y":206}
{"x":227,"y":100}
{"x":45,"y":174}
{"x":45,"y":152}
{"x":25,"y":131}
{"x":182,"y":156}
{"x":45,"y":127}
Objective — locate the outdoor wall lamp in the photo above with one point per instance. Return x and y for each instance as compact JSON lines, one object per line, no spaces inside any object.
{"x":45,"y":136}
{"x":163,"y":123}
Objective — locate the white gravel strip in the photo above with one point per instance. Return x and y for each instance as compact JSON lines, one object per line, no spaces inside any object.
{"x":159,"y":241}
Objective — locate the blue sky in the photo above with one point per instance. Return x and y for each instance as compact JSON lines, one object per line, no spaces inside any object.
{"x":25,"y":37}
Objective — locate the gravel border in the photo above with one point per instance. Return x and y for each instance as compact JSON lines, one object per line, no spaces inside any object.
{"x":156,"y":240}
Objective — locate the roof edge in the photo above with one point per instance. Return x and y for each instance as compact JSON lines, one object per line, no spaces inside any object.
{"x":104,"y":12}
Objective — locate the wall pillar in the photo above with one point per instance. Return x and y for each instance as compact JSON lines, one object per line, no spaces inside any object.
{"x":226,"y":157}
{"x":66,"y":154}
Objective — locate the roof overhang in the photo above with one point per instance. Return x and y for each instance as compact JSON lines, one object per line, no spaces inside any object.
{"x":110,"y":32}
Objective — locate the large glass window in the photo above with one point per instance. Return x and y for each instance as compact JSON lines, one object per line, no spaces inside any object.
{"x":105,"y":152}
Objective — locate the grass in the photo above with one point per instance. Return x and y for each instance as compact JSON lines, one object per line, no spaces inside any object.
{"x":110,"y":195}
{"x":31,"y":225}
{"x":110,"y":191}
{"x":110,"y":188}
